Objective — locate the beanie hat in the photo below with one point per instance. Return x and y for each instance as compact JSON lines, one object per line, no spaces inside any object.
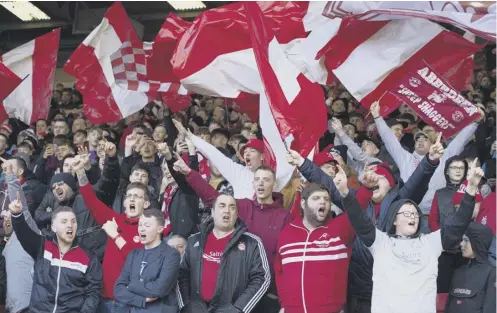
{"x":383,"y":169}
{"x":340,"y":150}
{"x":67,"y":178}
{"x":456,"y":200}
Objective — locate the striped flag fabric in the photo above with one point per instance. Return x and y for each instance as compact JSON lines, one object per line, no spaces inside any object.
{"x":34,"y":62}
{"x":8,"y":80}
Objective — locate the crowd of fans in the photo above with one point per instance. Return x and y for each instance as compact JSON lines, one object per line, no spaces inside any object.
{"x":169,"y":212}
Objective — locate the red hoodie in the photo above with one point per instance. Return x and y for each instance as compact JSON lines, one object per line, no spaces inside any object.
{"x":114,"y":258}
{"x":263,"y":220}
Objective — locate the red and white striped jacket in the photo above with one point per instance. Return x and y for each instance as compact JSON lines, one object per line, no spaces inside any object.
{"x":311,"y":267}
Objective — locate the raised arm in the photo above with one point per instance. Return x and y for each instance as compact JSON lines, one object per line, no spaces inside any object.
{"x":13,"y":189}
{"x":165,"y":282}
{"x":100,"y":212}
{"x":107,"y":184}
{"x":403,"y":159}
{"x":259,"y":278}
{"x":201,"y":187}
{"x":361,"y":223}
{"x":455,"y":226}
{"x":94,"y":279}
{"x":230,"y":170}
{"x":31,"y":241}
{"x":354,"y":150}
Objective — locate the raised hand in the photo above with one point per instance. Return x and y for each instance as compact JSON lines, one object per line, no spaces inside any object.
{"x":181,"y":129}
{"x":294,"y":158}
{"x":110,"y":228}
{"x":181,"y":147}
{"x":163,"y":149}
{"x":7,"y":166}
{"x":337,"y":127}
{"x":475,"y":174}
{"x":436,"y":149}
{"x":370,"y":179}
{"x":49,"y":151}
{"x":110,"y":149}
{"x":340,"y":181}
{"x":131,"y":141}
{"x":191,"y":147}
{"x":375,"y":109}
{"x":84,"y":155}
{"x":15,"y":207}
{"x":180,"y":166}
{"x":78,"y":164}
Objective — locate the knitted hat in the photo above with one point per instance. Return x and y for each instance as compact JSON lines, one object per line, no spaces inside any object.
{"x":340,"y":150}
{"x":67,"y":178}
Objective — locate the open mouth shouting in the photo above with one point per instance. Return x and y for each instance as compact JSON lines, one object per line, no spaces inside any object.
{"x":321,"y":212}
{"x":412,"y":223}
{"x":143,"y":237}
{"x":226,"y":218}
{"x":59,"y":192}
{"x":248,"y":162}
{"x":132,"y":208}
{"x":70,"y":233}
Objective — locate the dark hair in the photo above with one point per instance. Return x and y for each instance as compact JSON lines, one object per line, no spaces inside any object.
{"x":139,"y":186}
{"x":21,"y":163}
{"x":61,"y":140}
{"x":349,"y":123}
{"x":158,"y":215}
{"x":69,"y":90}
{"x":41,"y":119}
{"x":61,"y":209}
{"x":25,"y":144}
{"x":312,"y":188}
{"x":141,"y":167}
{"x":221,"y":131}
{"x":246,"y":128}
{"x":61,"y":164}
{"x":356,"y":114}
{"x":60,"y":120}
{"x":267,"y":169}
{"x":225,"y":152}
{"x":224,"y":194}
{"x":203,"y":131}
{"x":81,"y":131}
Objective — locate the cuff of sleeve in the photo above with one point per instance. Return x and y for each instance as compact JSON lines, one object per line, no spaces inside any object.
{"x":432,"y":162}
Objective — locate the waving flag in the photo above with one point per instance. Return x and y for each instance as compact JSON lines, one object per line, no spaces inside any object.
{"x":35,"y":62}
{"x":291,"y":107}
{"x":145,"y":67}
{"x":8,"y":80}
{"x":105,"y":101}
{"x":369,"y":58}
{"x":477,"y":17}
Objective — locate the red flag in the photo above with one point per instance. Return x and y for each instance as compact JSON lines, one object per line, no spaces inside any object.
{"x":435,"y":100}
{"x":291,"y":107}
{"x":8,"y":80}
{"x":35,"y":62}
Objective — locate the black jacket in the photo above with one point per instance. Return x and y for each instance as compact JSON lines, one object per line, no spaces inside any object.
{"x":243,"y":278}
{"x":106,"y":186}
{"x":157,"y":279}
{"x":154,"y":168}
{"x":472,"y":288}
{"x":34,"y":190}
{"x":91,"y":236}
{"x":71,"y":282}
{"x":184,"y":206}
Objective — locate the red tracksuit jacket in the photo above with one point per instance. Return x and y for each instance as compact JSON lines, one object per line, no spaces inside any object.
{"x":311,"y":267}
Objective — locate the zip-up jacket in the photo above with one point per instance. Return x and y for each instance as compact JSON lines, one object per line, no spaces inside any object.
{"x":243,"y":278}
{"x":263,"y":220}
{"x":308,"y":260}
{"x":157,"y":279}
{"x":66,"y":283}
{"x":472,"y":288}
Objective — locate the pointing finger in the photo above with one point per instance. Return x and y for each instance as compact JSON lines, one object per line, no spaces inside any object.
{"x":474,"y":163}
{"x":19,"y":196}
{"x":439,"y":137}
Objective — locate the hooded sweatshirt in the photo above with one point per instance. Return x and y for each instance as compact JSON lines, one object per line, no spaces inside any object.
{"x":473,"y":284}
{"x":442,"y":206}
{"x":263,"y":220}
{"x":405,"y":268}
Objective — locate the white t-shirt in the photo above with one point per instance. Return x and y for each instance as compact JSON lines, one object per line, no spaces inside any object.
{"x":405,"y":273}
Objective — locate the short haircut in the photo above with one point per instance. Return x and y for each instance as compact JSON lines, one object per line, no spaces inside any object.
{"x":356,"y":114}
{"x":158,"y":215}
{"x":178,"y":237}
{"x":61,"y":209}
{"x":224,"y":194}
{"x":312,"y":188}
{"x":239,"y":137}
{"x":82,"y":132}
{"x":61,"y":140}
{"x":203,"y":131}
{"x":58,"y":120}
{"x":25,"y":144}
{"x":41,"y":120}
{"x":139,"y":186}
{"x":96,"y":129}
{"x":140,"y":167}
{"x":69,"y":156}
{"x":69,"y":90}
{"x":267,"y":169}
{"x":221,"y":131}
{"x":21,"y":163}
{"x":355,"y":128}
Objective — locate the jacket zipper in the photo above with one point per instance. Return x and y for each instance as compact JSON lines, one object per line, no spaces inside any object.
{"x":303,"y":266}
{"x":58,"y":279}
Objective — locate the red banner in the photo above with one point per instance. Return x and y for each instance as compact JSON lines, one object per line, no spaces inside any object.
{"x":436,"y":102}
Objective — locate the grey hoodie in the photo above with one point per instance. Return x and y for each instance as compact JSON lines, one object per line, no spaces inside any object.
{"x":18,"y":264}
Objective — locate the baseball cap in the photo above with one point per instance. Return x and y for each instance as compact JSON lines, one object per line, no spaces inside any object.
{"x":419,"y":134}
{"x":407,"y":116}
{"x":373,"y":140}
{"x":322,"y":158}
{"x":394,"y":121}
{"x":256,"y":144}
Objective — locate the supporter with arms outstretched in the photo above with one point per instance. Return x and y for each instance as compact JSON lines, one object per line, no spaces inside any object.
{"x":67,"y":278}
{"x":406,"y":261}
{"x":407,"y":162}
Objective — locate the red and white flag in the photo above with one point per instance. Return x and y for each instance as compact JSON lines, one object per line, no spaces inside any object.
{"x":369,"y":58}
{"x":8,"y":80}
{"x":477,"y":17}
{"x":291,"y":107}
{"x":104,"y":100}
{"x":35,"y":62}
{"x":145,"y":67}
